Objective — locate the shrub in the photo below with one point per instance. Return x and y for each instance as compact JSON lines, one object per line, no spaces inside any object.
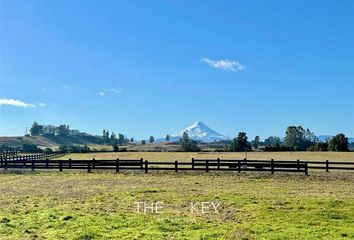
{"x":30,"y":148}
{"x":48,"y":150}
{"x":74,"y":148}
{"x":115,"y":148}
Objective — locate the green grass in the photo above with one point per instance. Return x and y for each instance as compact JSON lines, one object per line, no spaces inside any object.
{"x":78,"y":205}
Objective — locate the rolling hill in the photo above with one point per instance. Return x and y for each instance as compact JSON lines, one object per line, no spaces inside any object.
{"x":49,"y":140}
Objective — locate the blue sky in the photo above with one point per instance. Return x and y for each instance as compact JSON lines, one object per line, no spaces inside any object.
{"x":154,"y":67}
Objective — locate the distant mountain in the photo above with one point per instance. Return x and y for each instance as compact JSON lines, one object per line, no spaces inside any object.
{"x":324,"y":138}
{"x":199,"y":132}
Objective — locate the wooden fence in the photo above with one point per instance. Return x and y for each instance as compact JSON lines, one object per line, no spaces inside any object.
{"x":205,"y":165}
{"x":29,"y":157}
{"x":8,"y":153}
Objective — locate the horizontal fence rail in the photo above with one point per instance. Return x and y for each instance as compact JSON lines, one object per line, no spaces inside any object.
{"x":206,"y":165}
{"x":30,"y":157}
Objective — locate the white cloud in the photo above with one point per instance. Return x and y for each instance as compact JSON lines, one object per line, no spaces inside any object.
{"x":41,"y":104}
{"x":226,"y":64}
{"x":109,"y":90}
{"x":15,"y":102}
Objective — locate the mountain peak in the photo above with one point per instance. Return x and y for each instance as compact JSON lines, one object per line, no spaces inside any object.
{"x":198,"y":124}
{"x":201,"y":132}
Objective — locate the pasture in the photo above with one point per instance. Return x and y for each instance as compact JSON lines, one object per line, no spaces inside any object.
{"x":186,"y":156}
{"x":100,"y":205}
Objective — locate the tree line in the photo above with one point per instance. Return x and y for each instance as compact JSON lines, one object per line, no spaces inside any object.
{"x":296,"y":139}
{"x":61,"y":130}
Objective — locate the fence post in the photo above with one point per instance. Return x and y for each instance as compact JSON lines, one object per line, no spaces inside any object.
{"x":24,"y":164}
{"x":69,"y":162}
{"x":2,"y":163}
{"x":93,"y":163}
{"x":239,"y":165}
{"x":146,"y":166}
{"x":176,"y":166}
{"x":272,"y":165}
{"x":60,"y":165}
{"x":117,"y":165}
{"x":142,"y":163}
{"x":5,"y":164}
{"x":306,"y":169}
{"x":47,"y":163}
{"x":218,"y":163}
{"x":327,"y":165}
{"x":207,"y":166}
{"x":32,"y":165}
{"x":298,"y":164}
{"x":88,"y":166}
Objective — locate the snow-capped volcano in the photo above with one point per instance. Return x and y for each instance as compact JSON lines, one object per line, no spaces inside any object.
{"x":201,"y":132}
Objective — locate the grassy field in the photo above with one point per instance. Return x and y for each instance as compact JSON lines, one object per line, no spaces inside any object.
{"x":100,"y":205}
{"x":183,"y":156}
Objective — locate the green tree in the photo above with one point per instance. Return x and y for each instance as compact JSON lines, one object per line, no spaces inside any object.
{"x":240,"y":143}
{"x":30,"y":148}
{"x":151,"y":139}
{"x":120,"y":138}
{"x":255,"y":142}
{"x":63,"y":130}
{"x":187,"y":144}
{"x":143,"y":142}
{"x":113,"y":139}
{"x":298,"y":138}
{"x":131,"y":140}
{"x":272,"y":141}
{"x":115,"y":148}
{"x":47,"y":150}
{"x":104,"y":136}
{"x":36,"y":129}
{"x":319,"y":146}
{"x":338,"y":143}
{"x":167,"y":138}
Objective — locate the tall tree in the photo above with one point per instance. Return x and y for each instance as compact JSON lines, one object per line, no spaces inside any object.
{"x":272,"y":141}
{"x":338,"y":143}
{"x":120,"y":138}
{"x":113,"y":139}
{"x":255,"y":142}
{"x":107,"y":140}
{"x":104,"y":135}
{"x":167,"y":138}
{"x":63,"y":130}
{"x":240,"y":143}
{"x":36,"y":129}
{"x":187,"y":144}
{"x":298,"y":138}
{"x":151,"y":139}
